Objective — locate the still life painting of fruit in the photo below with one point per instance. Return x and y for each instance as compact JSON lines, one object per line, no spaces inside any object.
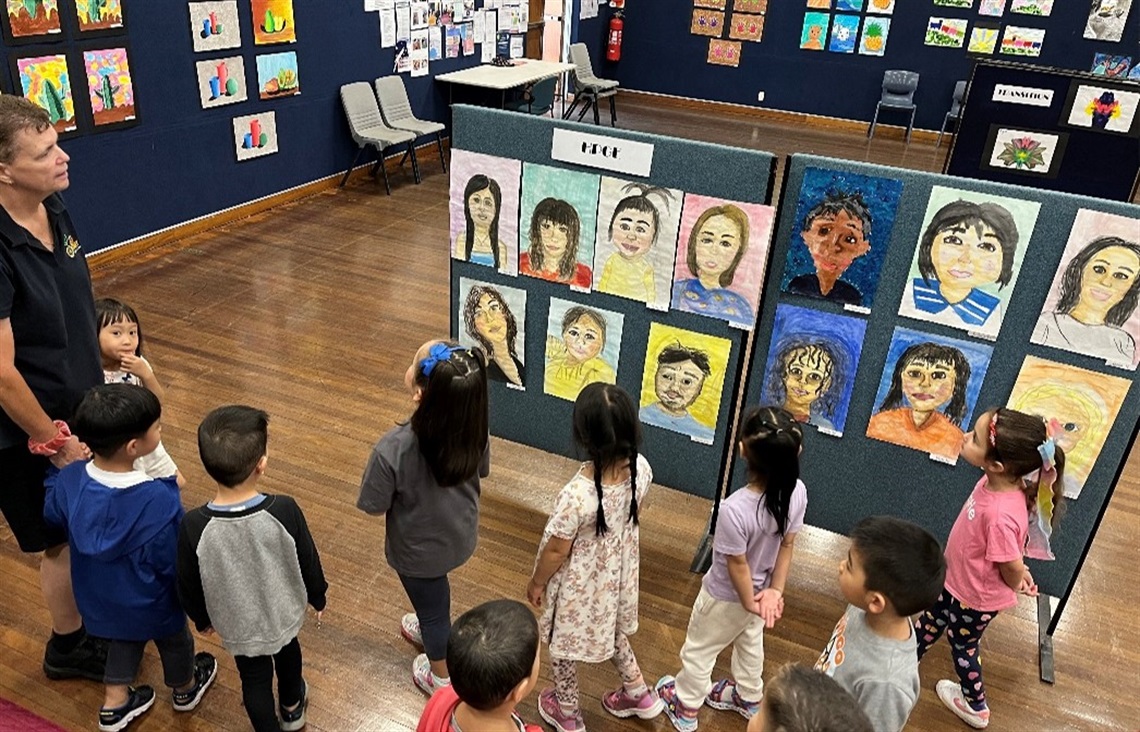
{"x":273,"y":22}
{"x":277,"y":75}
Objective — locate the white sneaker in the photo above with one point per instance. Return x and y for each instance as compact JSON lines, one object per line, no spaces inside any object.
{"x":410,"y":629}
{"x":950,"y":692}
{"x":425,"y":680}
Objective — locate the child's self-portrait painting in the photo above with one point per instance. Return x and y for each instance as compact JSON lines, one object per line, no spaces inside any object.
{"x":484,"y":202}
{"x":1091,"y":308}
{"x":721,"y":253}
{"x":843,"y":226}
{"x":559,"y":209}
{"x":1080,"y":407}
{"x":811,"y":365}
{"x":966,"y":263}
{"x":928,"y":391}
{"x":636,"y":241}
{"x":582,"y":346}
{"x":494,"y":319}
{"x":683,"y":380}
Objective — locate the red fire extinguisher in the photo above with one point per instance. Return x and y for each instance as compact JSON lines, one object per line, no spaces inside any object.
{"x":613,"y":45}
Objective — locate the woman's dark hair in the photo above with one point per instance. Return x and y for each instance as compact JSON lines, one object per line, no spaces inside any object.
{"x":109,"y":311}
{"x":818,"y":353}
{"x":473,"y":297}
{"x":639,"y":201}
{"x":575,"y":312}
{"x":737,"y":216}
{"x":607,"y":429}
{"x":1119,"y":313}
{"x":771,"y":438}
{"x":477,"y":183}
{"x":450,"y":422}
{"x":836,"y":202}
{"x":111,"y":415}
{"x":933,"y":354}
{"x":977,"y":215}
{"x":1013,"y":440}
{"x":559,"y":213}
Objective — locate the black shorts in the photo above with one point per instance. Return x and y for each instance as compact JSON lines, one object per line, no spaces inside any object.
{"x":22,"y":499}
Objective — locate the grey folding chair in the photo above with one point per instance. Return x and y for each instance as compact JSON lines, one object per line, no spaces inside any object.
{"x":397,"y":112}
{"x":898,"y":95}
{"x":588,"y":88}
{"x":955,"y":110}
{"x":368,"y":128}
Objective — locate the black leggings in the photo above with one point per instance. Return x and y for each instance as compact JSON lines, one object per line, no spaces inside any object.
{"x":257,"y":684}
{"x":431,"y":599}
{"x":176,"y":652}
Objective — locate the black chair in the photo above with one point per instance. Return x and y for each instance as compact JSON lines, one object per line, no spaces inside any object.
{"x":955,"y":110}
{"x":898,"y":95}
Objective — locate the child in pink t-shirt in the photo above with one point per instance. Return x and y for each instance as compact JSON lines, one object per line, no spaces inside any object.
{"x":984,"y":565}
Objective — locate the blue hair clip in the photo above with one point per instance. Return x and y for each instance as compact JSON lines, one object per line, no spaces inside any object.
{"x":436,"y":354}
{"x":1048,"y":452}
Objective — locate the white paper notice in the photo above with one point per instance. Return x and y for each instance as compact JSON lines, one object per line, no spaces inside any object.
{"x":387,"y":28}
{"x":517,"y":49}
{"x":419,"y":53}
{"x":480,"y":25}
{"x":403,"y":21}
{"x":524,"y":17}
{"x":371,"y":5}
{"x":435,"y":43}
{"x":589,"y":9}
{"x":487,"y":53}
{"x":490,"y":26}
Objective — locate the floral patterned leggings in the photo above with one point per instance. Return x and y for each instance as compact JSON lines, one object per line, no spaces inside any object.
{"x":965,"y":626}
{"x":566,"y":672}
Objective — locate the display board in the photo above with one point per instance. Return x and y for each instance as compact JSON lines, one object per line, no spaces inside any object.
{"x":1049,"y":128}
{"x":853,"y":475}
{"x":515,"y":151}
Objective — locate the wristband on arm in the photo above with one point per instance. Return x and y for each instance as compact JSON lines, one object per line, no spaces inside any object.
{"x":55,"y":444}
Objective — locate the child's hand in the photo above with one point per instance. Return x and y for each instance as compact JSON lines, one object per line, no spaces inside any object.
{"x":534,"y":592}
{"x":1028,"y":586}
{"x":136,"y":365}
{"x":771,"y":604}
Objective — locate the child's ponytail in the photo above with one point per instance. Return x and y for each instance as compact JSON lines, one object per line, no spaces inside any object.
{"x":770,"y":441}
{"x":1024,"y":445}
{"x":450,"y":421}
{"x":607,"y":429}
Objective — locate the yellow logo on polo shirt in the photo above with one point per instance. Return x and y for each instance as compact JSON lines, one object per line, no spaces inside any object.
{"x":71,"y":246}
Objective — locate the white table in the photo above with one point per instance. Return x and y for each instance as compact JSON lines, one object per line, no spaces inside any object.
{"x":502,"y":78}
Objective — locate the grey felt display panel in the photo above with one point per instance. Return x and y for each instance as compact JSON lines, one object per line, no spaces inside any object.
{"x":535,"y":418}
{"x":855,"y":476}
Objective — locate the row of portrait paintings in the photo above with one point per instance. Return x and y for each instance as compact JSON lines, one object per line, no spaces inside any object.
{"x":928,"y":389}
{"x":659,"y":246}
{"x":683,"y":378}
{"x":965,"y":264}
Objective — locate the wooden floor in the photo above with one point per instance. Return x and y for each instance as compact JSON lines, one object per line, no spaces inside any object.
{"x":313,"y":311}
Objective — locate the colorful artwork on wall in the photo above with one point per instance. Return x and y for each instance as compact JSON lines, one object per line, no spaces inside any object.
{"x":214,"y":25}
{"x":946,"y":32}
{"x":97,"y":16}
{"x":983,"y":39}
{"x":110,"y":88}
{"x":844,"y":29}
{"x":1110,"y":65}
{"x":1102,"y":108}
{"x":746,"y":27}
{"x":46,"y":81}
{"x":683,"y":380}
{"x":221,"y":81}
{"x":493,"y":317}
{"x":1031,"y":7}
{"x":485,"y":210}
{"x":814,"y":31}
{"x":750,"y":6}
{"x":873,"y":41}
{"x":955,"y":3}
{"x":723,"y":53}
{"x":1025,"y":151}
{"x":819,"y":4}
{"x":1107,"y":19}
{"x":707,"y":22}
{"x":255,"y":135}
{"x":714,"y":4}
{"x":277,"y":75}
{"x":273,"y":22}
{"x":557,"y":218}
{"x":583,"y":344}
{"x":883,"y":7}
{"x":849,"y":6}
{"x":991,"y":8}
{"x":1017,"y":41}
{"x":31,"y":21}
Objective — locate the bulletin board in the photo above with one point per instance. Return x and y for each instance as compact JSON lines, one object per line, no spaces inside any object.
{"x":534,"y":418}
{"x":1049,"y":128}
{"x":854,"y":476}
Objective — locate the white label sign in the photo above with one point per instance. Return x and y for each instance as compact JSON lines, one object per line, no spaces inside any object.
{"x":1009,"y":94}
{"x":602,"y":151}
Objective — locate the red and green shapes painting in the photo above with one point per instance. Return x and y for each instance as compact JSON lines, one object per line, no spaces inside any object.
{"x":109,"y":86}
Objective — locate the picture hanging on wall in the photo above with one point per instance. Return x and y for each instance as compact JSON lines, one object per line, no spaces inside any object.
{"x":991,"y":8}
{"x":955,"y":3}
{"x":946,"y":32}
{"x":714,"y":4}
{"x":493,"y":317}
{"x":273,"y":22}
{"x":707,"y":22}
{"x":255,"y":135}
{"x":558,"y":213}
{"x":1107,"y":19}
{"x":749,"y":6}
{"x":46,"y":81}
{"x":883,"y":7}
{"x":811,"y":366}
{"x":583,"y":345}
{"x":1016,"y":41}
{"x":1080,"y":406}
{"x":1102,"y":108}
{"x":32,"y":21}
{"x":814,"y":31}
{"x":843,"y":229}
{"x":484,"y":206}
{"x":221,"y":81}
{"x":98,"y":17}
{"x":721,"y":254}
{"x":746,"y":27}
{"x":983,"y":39}
{"x":1042,"y":8}
{"x":110,"y":88}
{"x":1110,"y":65}
{"x":278,"y":75}
{"x":214,"y":25}
{"x":928,"y":391}
{"x":819,"y":4}
{"x":849,"y":6}
{"x":723,"y":53}
{"x":844,"y":29}
{"x":637,"y":241}
{"x":873,"y":41}
{"x":683,"y":381}
{"x":966,"y":263}
{"x":1032,"y":152}
{"x":1092,"y":304}
{"x":1134,"y":74}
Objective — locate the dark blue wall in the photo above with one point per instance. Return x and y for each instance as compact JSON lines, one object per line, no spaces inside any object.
{"x":660,"y":55}
{"x":179,"y":162}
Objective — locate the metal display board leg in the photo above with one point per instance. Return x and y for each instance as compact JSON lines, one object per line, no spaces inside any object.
{"x":1045,"y":638}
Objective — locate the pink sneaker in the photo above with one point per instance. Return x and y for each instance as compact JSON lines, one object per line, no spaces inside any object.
{"x":950,"y":692}
{"x":551,"y":711}
{"x":410,"y":629}
{"x":620,"y":704}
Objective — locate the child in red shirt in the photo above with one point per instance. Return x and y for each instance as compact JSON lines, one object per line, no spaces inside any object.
{"x":492,"y":655}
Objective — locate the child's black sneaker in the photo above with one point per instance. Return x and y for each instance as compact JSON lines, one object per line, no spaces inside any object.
{"x":205,"y":669}
{"x":294,"y":719}
{"x":139,"y":700}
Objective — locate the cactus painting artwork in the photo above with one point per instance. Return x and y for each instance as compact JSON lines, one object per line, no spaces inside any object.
{"x":99,"y":15}
{"x":214,"y":25}
{"x":109,"y":86}
{"x":273,"y":22}
{"x":255,"y":135}
{"x":46,"y":81}
{"x":277,"y":75}
{"x":221,"y":81}
{"x":30,"y":20}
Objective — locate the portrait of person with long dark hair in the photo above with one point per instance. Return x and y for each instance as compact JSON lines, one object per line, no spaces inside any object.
{"x":485,"y":210}
{"x":494,"y":319}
